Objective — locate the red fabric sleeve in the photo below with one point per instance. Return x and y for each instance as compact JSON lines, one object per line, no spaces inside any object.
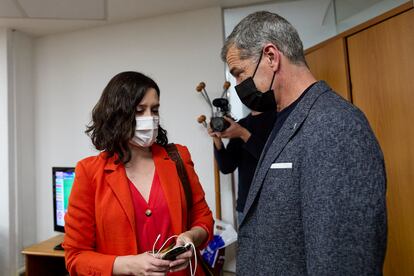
{"x":79,"y":241}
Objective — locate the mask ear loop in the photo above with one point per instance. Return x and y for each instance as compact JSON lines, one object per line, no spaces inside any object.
{"x":192,"y":273}
{"x":156,"y":255}
{"x":273,"y":78}
{"x":162,"y":246}
{"x":257,"y":67}
{"x":258,"y":63}
{"x":195,"y":260}
{"x":153,"y":247}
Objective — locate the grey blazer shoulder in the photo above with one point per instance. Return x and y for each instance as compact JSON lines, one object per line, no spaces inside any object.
{"x":317,"y":202}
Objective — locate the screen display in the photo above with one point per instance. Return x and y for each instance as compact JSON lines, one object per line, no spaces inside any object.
{"x":62,"y":185}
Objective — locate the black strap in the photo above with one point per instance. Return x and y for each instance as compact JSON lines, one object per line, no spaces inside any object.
{"x":182,"y":173}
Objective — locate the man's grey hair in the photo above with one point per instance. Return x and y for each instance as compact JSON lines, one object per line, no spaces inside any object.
{"x":260,"y":28}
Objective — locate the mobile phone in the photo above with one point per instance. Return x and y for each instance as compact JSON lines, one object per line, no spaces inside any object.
{"x":174,"y":252}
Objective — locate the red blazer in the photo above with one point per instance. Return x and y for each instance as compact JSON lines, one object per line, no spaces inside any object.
{"x":100,"y":222}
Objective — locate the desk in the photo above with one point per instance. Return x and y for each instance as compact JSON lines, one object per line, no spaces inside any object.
{"x":42,"y":259}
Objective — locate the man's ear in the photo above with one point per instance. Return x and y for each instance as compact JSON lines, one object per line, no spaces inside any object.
{"x":271,"y":55}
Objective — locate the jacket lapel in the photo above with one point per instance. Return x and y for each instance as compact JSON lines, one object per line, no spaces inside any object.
{"x":275,"y":147}
{"x":118,"y":181}
{"x":171,"y":186}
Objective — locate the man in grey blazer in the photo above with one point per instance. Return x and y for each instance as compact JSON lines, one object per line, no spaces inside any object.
{"x":317,"y":201}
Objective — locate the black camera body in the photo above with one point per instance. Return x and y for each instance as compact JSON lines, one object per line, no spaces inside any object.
{"x":217,"y":121}
{"x":220,"y":108}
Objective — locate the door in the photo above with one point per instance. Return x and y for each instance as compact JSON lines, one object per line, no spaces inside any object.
{"x":381,"y":62}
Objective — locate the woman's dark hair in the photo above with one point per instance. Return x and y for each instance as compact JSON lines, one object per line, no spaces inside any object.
{"x":113,"y":117}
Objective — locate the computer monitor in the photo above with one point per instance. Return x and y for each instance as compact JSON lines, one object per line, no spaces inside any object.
{"x":63,"y":178}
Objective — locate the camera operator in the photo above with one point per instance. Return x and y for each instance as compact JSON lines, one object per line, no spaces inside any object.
{"x":247,"y":139}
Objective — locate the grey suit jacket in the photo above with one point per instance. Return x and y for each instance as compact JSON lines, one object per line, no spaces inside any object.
{"x":317,"y":202}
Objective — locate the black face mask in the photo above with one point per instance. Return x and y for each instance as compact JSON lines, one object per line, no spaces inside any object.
{"x":253,"y":98}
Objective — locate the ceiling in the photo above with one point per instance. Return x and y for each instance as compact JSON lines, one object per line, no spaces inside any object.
{"x":44,"y":17}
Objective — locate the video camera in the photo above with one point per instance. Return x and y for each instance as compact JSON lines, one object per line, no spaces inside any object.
{"x":217,"y":122}
{"x":221,"y":108}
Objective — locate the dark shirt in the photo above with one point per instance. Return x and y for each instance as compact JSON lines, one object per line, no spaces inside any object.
{"x":283,"y":115}
{"x":245,"y":156}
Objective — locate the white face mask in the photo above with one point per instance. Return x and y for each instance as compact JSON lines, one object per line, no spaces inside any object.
{"x":146,"y":130}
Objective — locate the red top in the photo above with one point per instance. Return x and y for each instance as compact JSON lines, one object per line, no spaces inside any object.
{"x":152,"y":218}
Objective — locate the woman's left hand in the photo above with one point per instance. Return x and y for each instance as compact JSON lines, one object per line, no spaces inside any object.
{"x":181,"y":262}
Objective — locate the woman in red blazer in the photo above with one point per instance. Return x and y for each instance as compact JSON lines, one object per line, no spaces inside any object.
{"x":129,"y":199}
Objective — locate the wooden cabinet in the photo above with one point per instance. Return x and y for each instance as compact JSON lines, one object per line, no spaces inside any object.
{"x":329,"y":63}
{"x":379,"y":57}
{"x":381,"y":61}
{"x":42,"y":259}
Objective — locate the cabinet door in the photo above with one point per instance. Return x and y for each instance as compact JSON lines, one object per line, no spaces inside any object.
{"x":381,"y":62}
{"x":329,"y":63}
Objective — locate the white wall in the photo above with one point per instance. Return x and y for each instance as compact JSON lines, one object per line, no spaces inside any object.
{"x":366,"y":14}
{"x":25,"y":187}
{"x":71,"y":70}
{"x":4,"y":156}
{"x":17,"y":184}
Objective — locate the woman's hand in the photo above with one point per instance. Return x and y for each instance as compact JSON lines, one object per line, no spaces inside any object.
{"x":181,"y":261}
{"x":142,"y":264}
{"x":196,"y":236}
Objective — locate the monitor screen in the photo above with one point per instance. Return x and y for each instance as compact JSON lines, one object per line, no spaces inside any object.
{"x":63,"y":178}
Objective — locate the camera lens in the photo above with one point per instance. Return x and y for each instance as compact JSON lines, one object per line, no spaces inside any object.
{"x":219,"y":124}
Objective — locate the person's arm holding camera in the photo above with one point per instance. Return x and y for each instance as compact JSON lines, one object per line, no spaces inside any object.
{"x":218,"y":144}
{"x":228,"y":157}
{"x":253,"y":142}
{"x":235,"y":130}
